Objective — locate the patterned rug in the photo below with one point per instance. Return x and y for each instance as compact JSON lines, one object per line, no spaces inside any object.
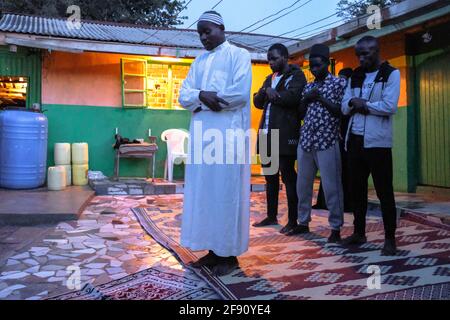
{"x":277,"y":267}
{"x":150,"y":284}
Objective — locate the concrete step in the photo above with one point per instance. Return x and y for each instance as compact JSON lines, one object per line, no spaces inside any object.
{"x":141,"y":186}
{"x":41,"y":206}
{"x":435,"y":207}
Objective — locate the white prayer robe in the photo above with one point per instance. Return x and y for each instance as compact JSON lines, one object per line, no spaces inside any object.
{"x":216,"y":209}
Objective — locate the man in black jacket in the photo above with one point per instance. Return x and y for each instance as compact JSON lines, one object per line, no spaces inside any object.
{"x":279,"y":97}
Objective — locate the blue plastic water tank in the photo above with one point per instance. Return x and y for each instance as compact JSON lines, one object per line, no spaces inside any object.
{"x":23,"y":149}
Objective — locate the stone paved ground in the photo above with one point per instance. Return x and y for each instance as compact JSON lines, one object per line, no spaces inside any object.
{"x":107,"y":243}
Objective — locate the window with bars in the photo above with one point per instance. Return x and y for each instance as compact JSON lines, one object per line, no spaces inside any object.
{"x":158,"y":86}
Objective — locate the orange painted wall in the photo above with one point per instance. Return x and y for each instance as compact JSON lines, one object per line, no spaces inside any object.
{"x":93,"y":79}
{"x":260,"y":72}
{"x":90,"y":79}
{"x":392,"y":49}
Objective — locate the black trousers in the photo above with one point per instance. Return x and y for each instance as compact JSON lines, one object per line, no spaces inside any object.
{"x":361,"y":163}
{"x":289,"y":178}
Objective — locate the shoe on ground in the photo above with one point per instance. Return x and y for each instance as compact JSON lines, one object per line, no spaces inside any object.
{"x":210,"y":260}
{"x":266,"y":222}
{"x":298,"y":230}
{"x":335,"y":237}
{"x":287,"y":228}
{"x":225,"y":266}
{"x":354,"y":240}
{"x":389,"y":248}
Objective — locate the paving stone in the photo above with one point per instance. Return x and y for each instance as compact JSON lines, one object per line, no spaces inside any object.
{"x":126,"y":257}
{"x":79,"y":246}
{"x":96,"y":246}
{"x":31,"y":262}
{"x":37,"y":249}
{"x":55,"y":257}
{"x":87,"y":222}
{"x":16,"y":275}
{"x":87,"y":251}
{"x":9,"y":290}
{"x":56,"y":279}
{"x":56,"y":241}
{"x":77,"y":239}
{"x":52,"y":268}
{"x":45,"y":274}
{"x":32,"y":270}
{"x":62,"y":273}
{"x":114,"y":270}
{"x":12,"y":262}
{"x":65,"y":226}
{"x":95,"y":265}
{"x":94,"y":272}
{"x":39,"y":254}
{"x":116,"y":263}
{"x":119,"y":275}
{"x":24,"y":255}
{"x":65,"y":247}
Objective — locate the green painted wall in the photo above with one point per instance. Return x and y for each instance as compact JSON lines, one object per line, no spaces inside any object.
{"x":400,"y":150}
{"x":26,"y":63}
{"x":433,"y":110}
{"x":96,"y":126}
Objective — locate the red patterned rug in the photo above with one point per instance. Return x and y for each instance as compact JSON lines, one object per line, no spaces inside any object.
{"x":277,"y":267}
{"x":150,"y":284}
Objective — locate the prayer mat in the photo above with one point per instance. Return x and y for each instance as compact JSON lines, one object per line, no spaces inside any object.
{"x":277,"y":267}
{"x":150,"y":284}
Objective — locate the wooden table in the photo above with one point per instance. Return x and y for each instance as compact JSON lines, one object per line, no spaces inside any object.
{"x":148,"y":154}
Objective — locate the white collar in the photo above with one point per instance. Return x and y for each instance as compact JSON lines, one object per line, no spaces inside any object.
{"x":220,"y":47}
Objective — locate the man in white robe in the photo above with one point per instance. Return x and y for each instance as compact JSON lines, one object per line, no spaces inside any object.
{"x":217,"y":192}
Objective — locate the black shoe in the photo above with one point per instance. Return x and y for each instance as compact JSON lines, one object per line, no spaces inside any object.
{"x":390,"y":248}
{"x":287,"y":228}
{"x":225,"y":266}
{"x":210,"y":260}
{"x":266,"y":222}
{"x":354,"y":239}
{"x":298,"y":230}
{"x":335,"y":237}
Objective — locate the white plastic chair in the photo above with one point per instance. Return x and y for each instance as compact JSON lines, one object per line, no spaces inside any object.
{"x":177,"y":145}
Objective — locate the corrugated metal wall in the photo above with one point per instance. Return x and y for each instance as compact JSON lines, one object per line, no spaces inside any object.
{"x":25,"y":63}
{"x":433,"y":77}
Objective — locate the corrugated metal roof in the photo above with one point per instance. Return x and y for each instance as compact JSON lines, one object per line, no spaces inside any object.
{"x":124,"y":33}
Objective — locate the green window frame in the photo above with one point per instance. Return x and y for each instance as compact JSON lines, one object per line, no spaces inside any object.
{"x":130,"y":78}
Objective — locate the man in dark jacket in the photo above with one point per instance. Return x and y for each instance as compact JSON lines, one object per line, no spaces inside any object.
{"x":279,"y":97}
{"x":371,"y":99}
